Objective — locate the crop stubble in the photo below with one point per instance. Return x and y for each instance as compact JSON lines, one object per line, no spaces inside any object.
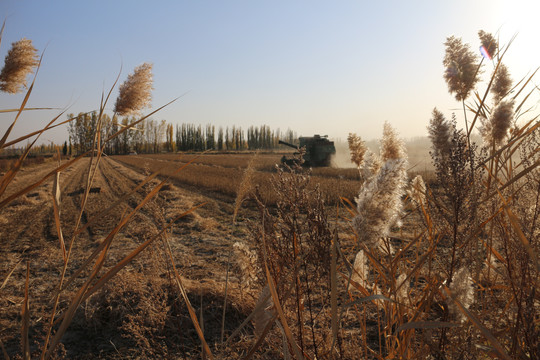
{"x":28,"y":233}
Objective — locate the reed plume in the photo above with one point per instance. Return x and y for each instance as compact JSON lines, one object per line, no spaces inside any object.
{"x":461,"y":73}
{"x":135,"y":93}
{"x":357,"y":148}
{"x":502,"y":83}
{"x":371,"y":166}
{"x":417,"y":191}
{"x":440,"y":134}
{"x":379,"y":202}
{"x":490,"y":45}
{"x":247,"y":264}
{"x":391,"y":147}
{"x":462,"y":290}
{"x":496,"y":128}
{"x":360,"y":269}
{"x":18,"y":64}
{"x":402,"y":287}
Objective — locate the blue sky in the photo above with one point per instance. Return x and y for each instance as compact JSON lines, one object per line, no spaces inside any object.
{"x":328,"y":67}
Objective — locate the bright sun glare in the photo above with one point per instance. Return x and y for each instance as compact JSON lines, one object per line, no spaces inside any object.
{"x":520,"y":17}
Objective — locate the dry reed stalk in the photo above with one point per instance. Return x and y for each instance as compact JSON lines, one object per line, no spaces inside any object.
{"x":263,"y":317}
{"x":25,"y":315}
{"x":77,"y":299}
{"x":56,"y":210}
{"x":334,"y":294}
{"x":225,"y":299}
{"x":201,"y":322}
{"x":94,"y":283}
{"x":9,"y":274}
{"x":261,"y":306}
{"x":2,"y":30}
{"x":487,"y":334}
{"x":281,"y":315}
{"x":47,"y":352}
{"x":192,"y":314}
{"x":19,"y":62}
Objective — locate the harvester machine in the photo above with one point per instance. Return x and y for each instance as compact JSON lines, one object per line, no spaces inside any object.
{"x":318,"y":151}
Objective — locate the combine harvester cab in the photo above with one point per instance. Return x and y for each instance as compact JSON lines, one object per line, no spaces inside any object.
{"x":318,"y":151}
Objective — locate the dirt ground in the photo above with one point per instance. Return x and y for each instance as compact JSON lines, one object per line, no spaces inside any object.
{"x":201,"y":243}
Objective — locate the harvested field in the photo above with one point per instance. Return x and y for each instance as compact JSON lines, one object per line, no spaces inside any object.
{"x":201,"y":242}
{"x":223,"y":173}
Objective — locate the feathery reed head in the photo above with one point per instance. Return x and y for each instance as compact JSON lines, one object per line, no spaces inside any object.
{"x":135,"y":92}
{"x":501,"y":84}
{"x":379,"y":202}
{"x":461,"y":73}
{"x":462,"y":290}
{"x":246,"y":263}
{"x":417,"y":191}
{"x":371,"y":166}
{"x":403,"y":286}
{"x":19,"y":62}
{"x":496,"y":128}
{"x":360,"y":269}
{"x":392,"y":147}
{"x":489,"y":44}
{"x":440,"y":133}
{"x":357,"y":148}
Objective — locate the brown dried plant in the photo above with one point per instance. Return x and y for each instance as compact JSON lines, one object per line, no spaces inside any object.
{"x":392,"y":148}
{"x":248,"y":270}
{"x":136,"y":92}
{"x":495,"y":129}
{"x":357,"y":148}
{"x":96,"y":271}
{"x":379,"y":201}
{"x":20,"y":61}
{"x":461,"y":66}
{"x":502,"y":83}
{"x":485,"y":254}
{"x":440,"y":132}
{"x":293,"y":243}
{"x":488,"y":43}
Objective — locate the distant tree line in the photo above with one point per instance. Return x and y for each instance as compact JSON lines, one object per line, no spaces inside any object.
{"x":152,"y":136}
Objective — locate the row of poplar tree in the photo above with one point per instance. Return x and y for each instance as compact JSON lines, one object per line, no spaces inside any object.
{"x":152,"y":136}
